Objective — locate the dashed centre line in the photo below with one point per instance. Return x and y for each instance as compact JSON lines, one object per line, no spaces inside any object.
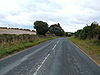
{"x":55,"y":45}
{"x":57,"y":42}
{"x":41,"y":65}
{"x":35,"y":73}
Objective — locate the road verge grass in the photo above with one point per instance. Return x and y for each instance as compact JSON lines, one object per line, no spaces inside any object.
{"x":7,"y":50}
{"x":90,"y":47}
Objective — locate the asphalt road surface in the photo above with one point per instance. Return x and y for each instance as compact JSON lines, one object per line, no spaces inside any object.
{"x":54,"y":57}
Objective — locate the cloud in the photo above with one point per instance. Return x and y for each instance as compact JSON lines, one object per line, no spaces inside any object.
{"x":71,"y":14}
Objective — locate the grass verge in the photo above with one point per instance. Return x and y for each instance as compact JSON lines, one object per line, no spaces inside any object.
{"x":91,"y":47}
{"x":5,"y":51}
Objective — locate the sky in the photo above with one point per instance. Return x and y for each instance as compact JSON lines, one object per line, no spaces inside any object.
{"x":71,"y":14}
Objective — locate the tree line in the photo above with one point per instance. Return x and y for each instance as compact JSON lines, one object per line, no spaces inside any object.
{"x":89,"y":32}
{"x":42,"y":28}
{"x":17,"y":29}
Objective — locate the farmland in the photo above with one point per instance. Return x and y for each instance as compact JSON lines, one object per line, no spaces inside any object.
{"x":15,"y":31}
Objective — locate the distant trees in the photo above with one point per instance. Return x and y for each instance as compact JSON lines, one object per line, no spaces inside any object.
{"x":41,"y":27}
{"x":56,"y":29}
{"x":98,"y":32}
{"x":68,"y":34}
{"x":89,"y":32}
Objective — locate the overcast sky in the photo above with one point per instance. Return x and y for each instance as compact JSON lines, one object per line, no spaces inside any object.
{"x":71,"y":14}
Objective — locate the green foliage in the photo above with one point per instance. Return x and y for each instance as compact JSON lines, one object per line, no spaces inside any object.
{"x":56,"y":29}
{"x":98,"y":32}
{"x":89,"y":32}
{"x":77,"y":34}
{"x":66,"y":33}
{"x":41,"y":27}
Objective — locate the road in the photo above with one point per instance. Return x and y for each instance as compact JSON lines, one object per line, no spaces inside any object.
{"x":54,"y":57}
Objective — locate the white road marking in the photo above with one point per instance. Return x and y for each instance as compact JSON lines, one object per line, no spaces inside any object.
{"x":57,"y":42}
{"x":86,"y":54}
{"x":35,"y":73}
{"x":54,"y":47}
{"x":18,"y":62}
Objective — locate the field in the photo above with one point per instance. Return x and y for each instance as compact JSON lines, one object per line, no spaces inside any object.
{"x":15,"y":31}
{"x":91,"y":47}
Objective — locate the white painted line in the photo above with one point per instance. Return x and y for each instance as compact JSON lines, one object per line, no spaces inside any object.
{"x":54,"y":47}
{"x":35,"y":73}
{"x":18,"y":62}
{"x":57,"y":42}
{"x":86,"y":54}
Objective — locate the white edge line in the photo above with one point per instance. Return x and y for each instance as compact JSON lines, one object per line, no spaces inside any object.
{"x":86,"y":54}
{"x":35,"y":73}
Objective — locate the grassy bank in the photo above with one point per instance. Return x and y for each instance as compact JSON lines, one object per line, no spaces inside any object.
{"x":91,"y":47}
{"x":10,"y":47}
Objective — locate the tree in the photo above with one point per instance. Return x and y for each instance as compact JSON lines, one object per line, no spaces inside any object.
{"x":77,"y":34}
{"x":98,"y":32}
{"x":56,"y":29}
{"x":88,"y":32}
{"x":93,"y":29}
{"x":66,"y":34}
{"x":41,"y":27}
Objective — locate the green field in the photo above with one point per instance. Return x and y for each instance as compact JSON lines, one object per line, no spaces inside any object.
{"x":91,"y":47}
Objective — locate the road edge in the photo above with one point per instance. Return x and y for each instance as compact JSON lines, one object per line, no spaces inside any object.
{"x":22,"y":50}
{"x":85,"y":53}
